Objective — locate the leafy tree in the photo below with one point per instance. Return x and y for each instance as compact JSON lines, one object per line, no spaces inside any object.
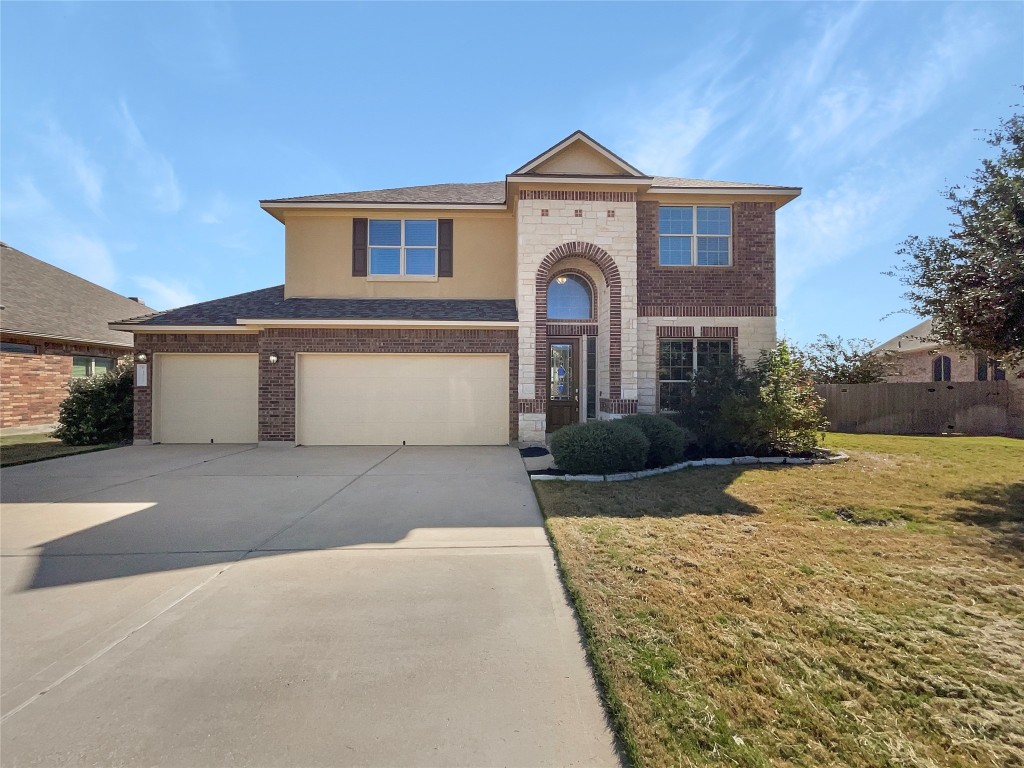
{"x":847,"y":361}
{"x":98,"y":409}
{"x":971,"y":282}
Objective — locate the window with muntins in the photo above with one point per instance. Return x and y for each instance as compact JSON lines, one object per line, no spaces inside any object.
{"x":569,"y":299}
{"x":403,"y":247}
{"x":691,"y":235}
{"x":680,"y":359}
{"x":942,"y":368}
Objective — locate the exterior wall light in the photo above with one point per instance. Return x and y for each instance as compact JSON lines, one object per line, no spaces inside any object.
{"x":141,"y":357}
{"x":272,"y":358}
{"x":561,"y":280}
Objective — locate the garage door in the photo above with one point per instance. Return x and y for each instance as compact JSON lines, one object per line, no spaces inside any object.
{"x":205,"y":398}
{"x":402,"y":399}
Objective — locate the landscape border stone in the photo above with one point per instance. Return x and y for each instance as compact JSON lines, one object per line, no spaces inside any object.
{"x":739,"y":460}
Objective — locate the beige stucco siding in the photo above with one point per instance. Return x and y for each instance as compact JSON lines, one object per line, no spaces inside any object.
{"x":318,"y":257}
{"x":580,"y":159}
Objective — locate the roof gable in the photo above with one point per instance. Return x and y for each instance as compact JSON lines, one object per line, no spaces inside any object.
{"x":578,"y":155}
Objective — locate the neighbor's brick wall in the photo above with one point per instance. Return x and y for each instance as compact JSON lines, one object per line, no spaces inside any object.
{"x":917,"y":366}
{"x":747,"y":288}
{"x":277,"y":381}
{"x":153,"y":343}
{"x":32,"y":386}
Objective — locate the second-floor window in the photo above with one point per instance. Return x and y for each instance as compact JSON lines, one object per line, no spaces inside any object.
{"x":691,"y":235}
{"x":403,"y":247}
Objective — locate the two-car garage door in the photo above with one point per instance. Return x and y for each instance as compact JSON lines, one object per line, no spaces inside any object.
{"x":409,"y":399}
{"x":341,"y":399}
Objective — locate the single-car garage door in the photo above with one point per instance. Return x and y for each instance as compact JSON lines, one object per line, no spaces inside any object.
{"x":409,"y":399}
{"x":205,"y":398}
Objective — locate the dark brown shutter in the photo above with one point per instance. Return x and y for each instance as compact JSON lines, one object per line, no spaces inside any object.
{"x":445,"y":265}
{"x":359,"y":247}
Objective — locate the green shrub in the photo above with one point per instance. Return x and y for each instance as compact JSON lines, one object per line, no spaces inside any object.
{"x":769,"y":409}
{"x":97,"y":409}
{"x":668,"y":441}
{"x":600,"y":448}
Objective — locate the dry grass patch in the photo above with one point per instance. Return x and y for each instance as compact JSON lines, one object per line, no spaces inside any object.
{"x":25,"y":449}
{"x":863,"y":614}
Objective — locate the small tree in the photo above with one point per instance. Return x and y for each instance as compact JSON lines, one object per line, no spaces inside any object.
{"x":788,"y":414}
{"x":847,"y":361}
{"x":98,"y":409}
{"x":971,"y":282}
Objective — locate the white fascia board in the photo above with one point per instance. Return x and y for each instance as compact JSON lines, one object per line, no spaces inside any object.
{"x":47,"y":336}
{"x":371,"y":323}
{"x":179,"y":328}
{"x":633,"y":181}
{"x":761,"y":191}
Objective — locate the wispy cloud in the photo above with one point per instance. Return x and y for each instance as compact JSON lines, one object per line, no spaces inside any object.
{"x":164,"y":294}
{"x":82,"y":255}
{"x":71,"y":154}
{"x":155,"y":171}
{"x":24,"y":200}
{"x":217,"y":211}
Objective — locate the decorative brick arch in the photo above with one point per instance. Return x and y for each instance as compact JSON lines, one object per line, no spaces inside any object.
{"x":545,"y":274}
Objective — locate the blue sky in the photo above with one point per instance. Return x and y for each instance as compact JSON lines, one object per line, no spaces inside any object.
{"x":137,"y":138}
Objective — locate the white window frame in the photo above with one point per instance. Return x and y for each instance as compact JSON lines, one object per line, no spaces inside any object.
{"x":693,"y":237}
{"x":371,"y":275}
{"x":693,"y":359}
{"x":90,"y":368}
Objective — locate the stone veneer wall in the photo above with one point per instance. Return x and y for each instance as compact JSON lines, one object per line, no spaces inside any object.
{"x":277,"y":381}
{"x":33,"y":385}
{"x":547,"y":219}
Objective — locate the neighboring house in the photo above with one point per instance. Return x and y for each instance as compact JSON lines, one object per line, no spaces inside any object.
{"x":53,"y":328}
{"x":921,"y":359}
{"x":576,"y":288}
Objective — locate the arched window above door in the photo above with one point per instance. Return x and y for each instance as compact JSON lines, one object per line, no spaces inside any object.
{"x":570,"y":298}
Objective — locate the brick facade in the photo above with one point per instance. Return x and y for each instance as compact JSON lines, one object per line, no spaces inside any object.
{"x":743,"y":289}
{"x":32,"y":386}
{"x":277,"y":380}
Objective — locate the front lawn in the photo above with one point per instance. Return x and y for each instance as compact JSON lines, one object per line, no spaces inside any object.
{"x":862,"y":614}
{"x":24,"y":449}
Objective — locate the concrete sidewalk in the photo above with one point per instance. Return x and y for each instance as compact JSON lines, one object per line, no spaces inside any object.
{"x":226,"y":605}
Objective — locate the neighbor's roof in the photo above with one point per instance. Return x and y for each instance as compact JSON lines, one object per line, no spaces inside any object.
{"x":912,"y":340}
{"x":270,"y":304}
{"x":490,"y":192}
{"x":39,"y":299}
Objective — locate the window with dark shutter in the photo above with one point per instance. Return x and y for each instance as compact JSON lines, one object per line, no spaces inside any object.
{"x":359,"y":227}
{"x":445,"y":261}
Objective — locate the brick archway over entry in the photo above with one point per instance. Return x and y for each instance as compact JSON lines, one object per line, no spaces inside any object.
{"x":613,"y":403}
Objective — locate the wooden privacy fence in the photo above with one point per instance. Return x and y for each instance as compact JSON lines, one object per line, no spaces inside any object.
{"x":935,"y":408}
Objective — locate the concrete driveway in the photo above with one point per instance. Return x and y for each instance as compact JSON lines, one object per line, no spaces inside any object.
{"x":240,"y":606}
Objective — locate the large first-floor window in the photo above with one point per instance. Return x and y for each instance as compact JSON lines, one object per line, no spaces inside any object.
{"x":680,"y":359}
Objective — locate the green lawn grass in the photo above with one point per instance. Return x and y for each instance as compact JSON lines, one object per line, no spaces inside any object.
{"x":869,"y":613}
{"x":25,"y":449}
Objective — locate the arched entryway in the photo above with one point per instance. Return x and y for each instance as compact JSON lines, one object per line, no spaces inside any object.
{"x":566,"y":353}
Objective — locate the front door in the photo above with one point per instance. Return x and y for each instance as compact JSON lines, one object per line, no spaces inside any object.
{"x":563,"y":383}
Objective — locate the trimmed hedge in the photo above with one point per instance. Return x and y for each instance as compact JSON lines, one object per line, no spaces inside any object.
{"x":98,"y":409}
{"x":668,"y":440}
{"x":600,"y":448}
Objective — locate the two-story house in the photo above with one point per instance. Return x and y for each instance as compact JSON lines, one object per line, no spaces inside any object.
{"x":577,"y":288}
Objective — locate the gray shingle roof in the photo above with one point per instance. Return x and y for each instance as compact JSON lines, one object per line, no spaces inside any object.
{"x":486,"y":193}
{"x":270,"y":304}
{"x":39,"y":299}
